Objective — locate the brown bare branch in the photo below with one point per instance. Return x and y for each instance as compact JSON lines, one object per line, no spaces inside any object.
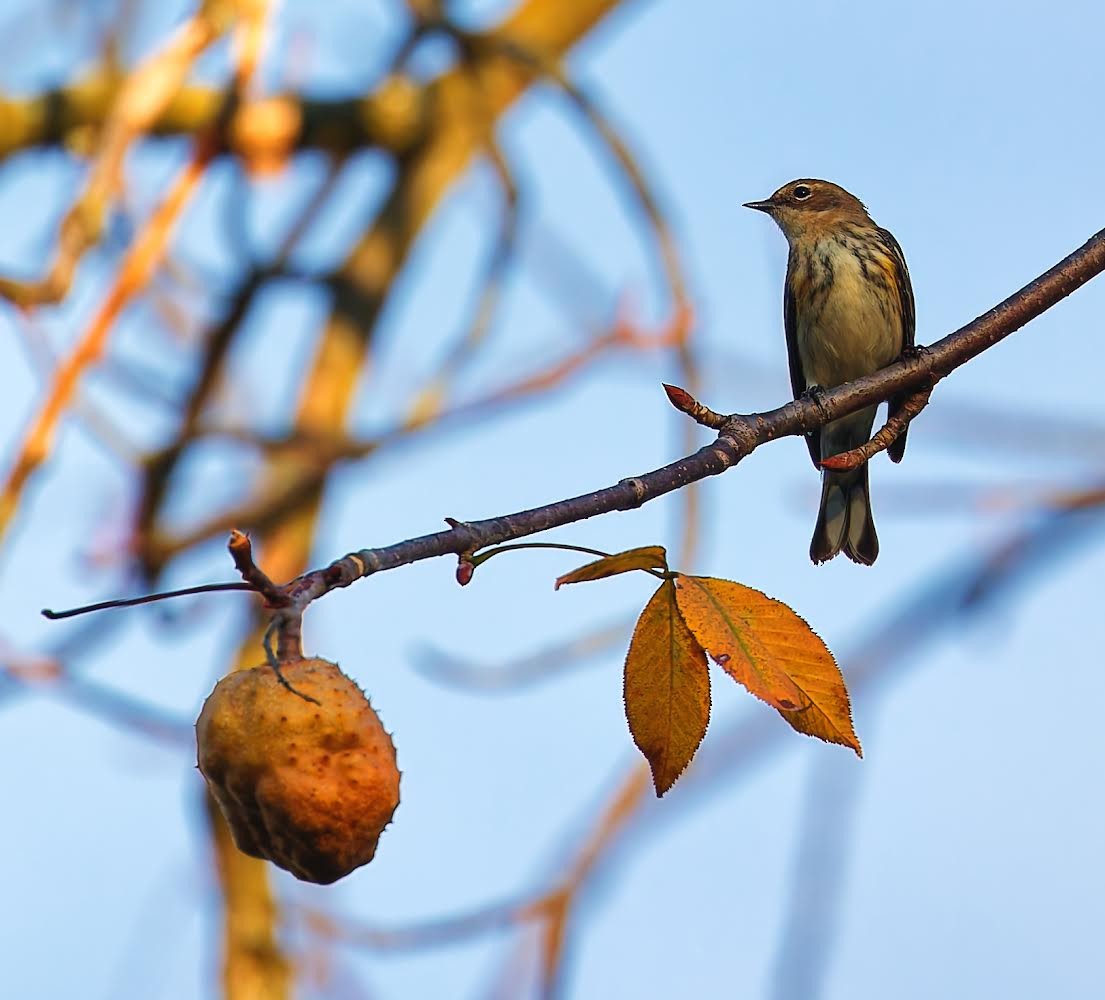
{"x":740,"y":436}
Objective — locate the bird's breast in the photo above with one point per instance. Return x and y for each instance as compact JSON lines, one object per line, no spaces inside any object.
{"x":848,"y":319}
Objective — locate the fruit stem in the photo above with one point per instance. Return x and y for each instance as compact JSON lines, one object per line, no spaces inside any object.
{"x":287,"y":628}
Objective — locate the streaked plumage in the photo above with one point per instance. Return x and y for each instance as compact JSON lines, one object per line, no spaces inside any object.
{"x":848,"y":311}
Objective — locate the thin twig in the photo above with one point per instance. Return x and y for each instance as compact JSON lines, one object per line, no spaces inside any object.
{"x":886,"y":436}
{"x":241,"y":551}
{"x":130,"y":602}
{"x":627,"y":162}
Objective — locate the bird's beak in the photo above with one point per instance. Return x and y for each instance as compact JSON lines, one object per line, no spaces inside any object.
{"x":761,"y":206}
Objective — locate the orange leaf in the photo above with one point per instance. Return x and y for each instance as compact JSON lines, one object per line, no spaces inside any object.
{"x":762,"y":644}
{"x":648,"y":557}
{"x":667,"y":689}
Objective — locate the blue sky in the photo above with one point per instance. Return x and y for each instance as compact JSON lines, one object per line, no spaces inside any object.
{"x":972,"y":859}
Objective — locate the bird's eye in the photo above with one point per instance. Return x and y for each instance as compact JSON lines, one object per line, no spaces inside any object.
{"x":802,"y":192}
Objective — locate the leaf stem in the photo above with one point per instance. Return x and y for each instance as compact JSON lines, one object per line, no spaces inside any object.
{"x":484,"y":556}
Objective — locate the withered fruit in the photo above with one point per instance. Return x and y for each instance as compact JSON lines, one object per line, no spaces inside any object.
{"x":308,"y":787}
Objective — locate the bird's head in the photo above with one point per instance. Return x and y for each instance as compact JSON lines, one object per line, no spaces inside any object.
{"x":809,"y":205}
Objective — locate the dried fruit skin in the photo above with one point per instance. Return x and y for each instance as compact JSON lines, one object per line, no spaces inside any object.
{"x":308,"y":787}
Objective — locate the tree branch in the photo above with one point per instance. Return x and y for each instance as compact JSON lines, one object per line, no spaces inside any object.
{"x":739,"y":436}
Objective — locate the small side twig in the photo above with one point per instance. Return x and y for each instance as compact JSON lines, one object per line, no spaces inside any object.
{"x":886,"y":436}
{"x":241,"y":551}
{"x":699,"y":413}
{"x":130,"y":602}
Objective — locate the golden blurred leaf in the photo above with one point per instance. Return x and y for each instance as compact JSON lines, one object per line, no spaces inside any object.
{"x":667,"y":688}
{"x":764,"y":645}
{"x":648,"y":557}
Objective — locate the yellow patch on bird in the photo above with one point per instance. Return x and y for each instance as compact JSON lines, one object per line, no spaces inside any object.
{"x":889,"y":266}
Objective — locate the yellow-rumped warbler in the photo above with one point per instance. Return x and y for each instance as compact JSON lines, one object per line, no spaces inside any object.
{"x":848,"y":311}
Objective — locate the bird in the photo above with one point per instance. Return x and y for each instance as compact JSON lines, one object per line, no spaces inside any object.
{"x":848,"y":310}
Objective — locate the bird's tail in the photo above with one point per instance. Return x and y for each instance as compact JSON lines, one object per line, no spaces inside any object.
{"x":845,"y":521}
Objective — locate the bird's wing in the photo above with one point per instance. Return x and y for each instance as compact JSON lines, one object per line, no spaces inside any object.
{"x":797,"y":379}
{"x":907,"y":310}
{"x":905,"y":289}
